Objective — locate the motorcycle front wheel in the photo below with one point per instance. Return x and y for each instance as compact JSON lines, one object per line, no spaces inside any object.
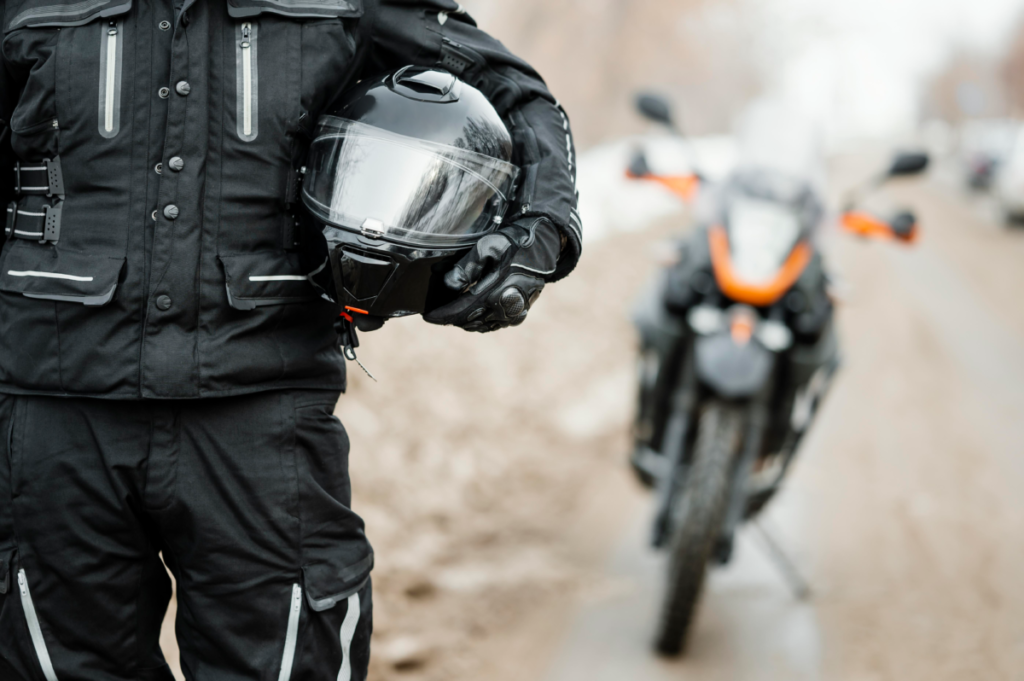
{"x":698,"y":521}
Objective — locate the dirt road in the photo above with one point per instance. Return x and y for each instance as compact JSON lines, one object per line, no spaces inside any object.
{"x":904,"y":508}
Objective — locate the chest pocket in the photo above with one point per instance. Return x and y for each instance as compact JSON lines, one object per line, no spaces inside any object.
{"x":292,"y":58}
{"x":65,"y":69}
{"x":317,"y":36}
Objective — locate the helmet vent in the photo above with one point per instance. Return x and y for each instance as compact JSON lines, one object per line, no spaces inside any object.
{"x":430,"y":85}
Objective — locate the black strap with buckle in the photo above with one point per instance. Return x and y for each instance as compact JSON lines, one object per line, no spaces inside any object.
{"x":40,"y":224}
{"x":39,"y":179}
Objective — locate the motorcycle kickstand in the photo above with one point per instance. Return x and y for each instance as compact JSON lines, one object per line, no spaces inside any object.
{"x":785,"y":565}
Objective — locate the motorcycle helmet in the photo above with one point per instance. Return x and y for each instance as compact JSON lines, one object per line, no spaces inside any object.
{"x":401,"y":180}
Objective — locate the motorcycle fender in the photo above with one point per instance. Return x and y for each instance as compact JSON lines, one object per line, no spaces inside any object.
{"x":731,"y":370}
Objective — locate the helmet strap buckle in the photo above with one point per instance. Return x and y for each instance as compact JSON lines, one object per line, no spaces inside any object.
{"x":349,"y":340}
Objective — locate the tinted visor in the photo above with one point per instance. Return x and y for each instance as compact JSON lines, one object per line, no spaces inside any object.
{"x":403,"y":189}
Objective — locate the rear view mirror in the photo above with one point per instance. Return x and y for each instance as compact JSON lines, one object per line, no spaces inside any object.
{"x":656,"y":108}
{"x":904,"y":226}
{"x":908,"y":163}
{"x":638,"y":165}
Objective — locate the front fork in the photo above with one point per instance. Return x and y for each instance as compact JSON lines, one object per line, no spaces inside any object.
{"x":757,"y":424}
{"x":684,"y":402}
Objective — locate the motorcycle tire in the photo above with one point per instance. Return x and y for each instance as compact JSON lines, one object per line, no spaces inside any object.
{"x":702,"y":507}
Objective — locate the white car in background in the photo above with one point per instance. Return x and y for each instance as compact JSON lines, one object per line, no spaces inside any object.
{"x":985,"y":144}
{"x":1009,"y":182}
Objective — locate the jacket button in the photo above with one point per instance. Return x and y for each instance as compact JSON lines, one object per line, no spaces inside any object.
{"x":165,"y":25}
{"x":164,"y":92}
{"x":159,"y":168}
{"x":171,"y":212}
{"x":177,"y":163}
{"x":164,"y":303}
{"x":183,"y":88}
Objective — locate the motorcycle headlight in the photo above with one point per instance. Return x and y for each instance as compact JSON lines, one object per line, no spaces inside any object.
{"x":762,"y":234}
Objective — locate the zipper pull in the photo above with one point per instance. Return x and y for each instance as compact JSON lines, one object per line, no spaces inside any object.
{"x":246,"y":35}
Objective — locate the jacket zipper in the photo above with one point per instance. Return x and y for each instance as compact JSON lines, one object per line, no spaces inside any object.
{"x":110,"y":79}
{"x":292,"y":636}
{"x":33,"y":628}
{"x":248,"y":82}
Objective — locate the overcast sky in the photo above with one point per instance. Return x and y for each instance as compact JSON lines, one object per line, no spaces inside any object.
{"x":857,"y":64}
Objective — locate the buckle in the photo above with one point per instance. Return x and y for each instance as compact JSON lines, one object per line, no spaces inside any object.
{"x":46,"y":179}
{"x":43,"y":227}
{"x":54,"y":177}
{"x":51,"y":223}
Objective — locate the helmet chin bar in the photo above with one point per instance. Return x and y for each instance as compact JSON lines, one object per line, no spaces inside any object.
{"x":376,"y":276}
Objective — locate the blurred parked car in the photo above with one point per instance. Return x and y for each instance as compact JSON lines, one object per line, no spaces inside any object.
{"x":984,"y":146}
{"x":1009,"y":184}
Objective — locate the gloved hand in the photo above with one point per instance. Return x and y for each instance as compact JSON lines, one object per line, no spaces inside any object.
{"x":501,"y":277}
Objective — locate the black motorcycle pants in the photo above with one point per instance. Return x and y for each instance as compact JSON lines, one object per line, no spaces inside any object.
{"x":246,"y":498}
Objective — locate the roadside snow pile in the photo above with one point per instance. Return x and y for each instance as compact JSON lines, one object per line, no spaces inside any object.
{"x":611,"y":202}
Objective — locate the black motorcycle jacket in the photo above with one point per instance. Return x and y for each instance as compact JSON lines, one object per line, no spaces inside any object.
{"x":150,"y":241}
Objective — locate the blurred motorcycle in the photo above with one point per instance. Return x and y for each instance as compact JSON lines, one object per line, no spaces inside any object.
{"x":737,"y":350}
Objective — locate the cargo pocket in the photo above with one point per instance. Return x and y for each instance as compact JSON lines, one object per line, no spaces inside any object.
{"x":336,"y":557}
{"x":341,"y":592}
{"x":260,"y":279}
{"x":44,"y":273}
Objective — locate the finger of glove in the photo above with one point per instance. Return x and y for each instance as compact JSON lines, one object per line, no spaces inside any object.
{"x":484,"y":258}
{"x":504,"y":304}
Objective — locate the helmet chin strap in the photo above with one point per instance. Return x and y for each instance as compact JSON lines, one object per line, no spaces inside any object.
{"x":346,"y":328}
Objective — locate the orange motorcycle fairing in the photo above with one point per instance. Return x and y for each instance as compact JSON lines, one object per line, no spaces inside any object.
{"x":756,"y":294}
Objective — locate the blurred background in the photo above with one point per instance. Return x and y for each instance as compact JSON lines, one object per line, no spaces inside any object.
{"x":511,"y":536}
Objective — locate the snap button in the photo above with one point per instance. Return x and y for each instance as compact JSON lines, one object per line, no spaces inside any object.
{"x":171,"y":212}
{"x":183,"y":88}
{"x":165,"y":25}
{"x":177,"y":163}
{"x":164,"y":92}
{"x":159,"y":168}
{"x":153,"y":215}
{"x":163,"y":303}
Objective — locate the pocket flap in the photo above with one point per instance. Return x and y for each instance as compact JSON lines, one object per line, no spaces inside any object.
{"x":305,"y":9}
{"x":41,"y":13}
{"x":48,"y":274}
{"x":331,"y":581}
{"x":259,"y":279}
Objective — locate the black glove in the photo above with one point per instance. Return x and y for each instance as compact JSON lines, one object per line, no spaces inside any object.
{"x":501,"y":277}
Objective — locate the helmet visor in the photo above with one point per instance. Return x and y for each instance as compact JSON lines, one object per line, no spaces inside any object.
{"x":403,"y":189}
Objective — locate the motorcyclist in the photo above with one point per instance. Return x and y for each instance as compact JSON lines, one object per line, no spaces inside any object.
{"x":168,"y":373}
